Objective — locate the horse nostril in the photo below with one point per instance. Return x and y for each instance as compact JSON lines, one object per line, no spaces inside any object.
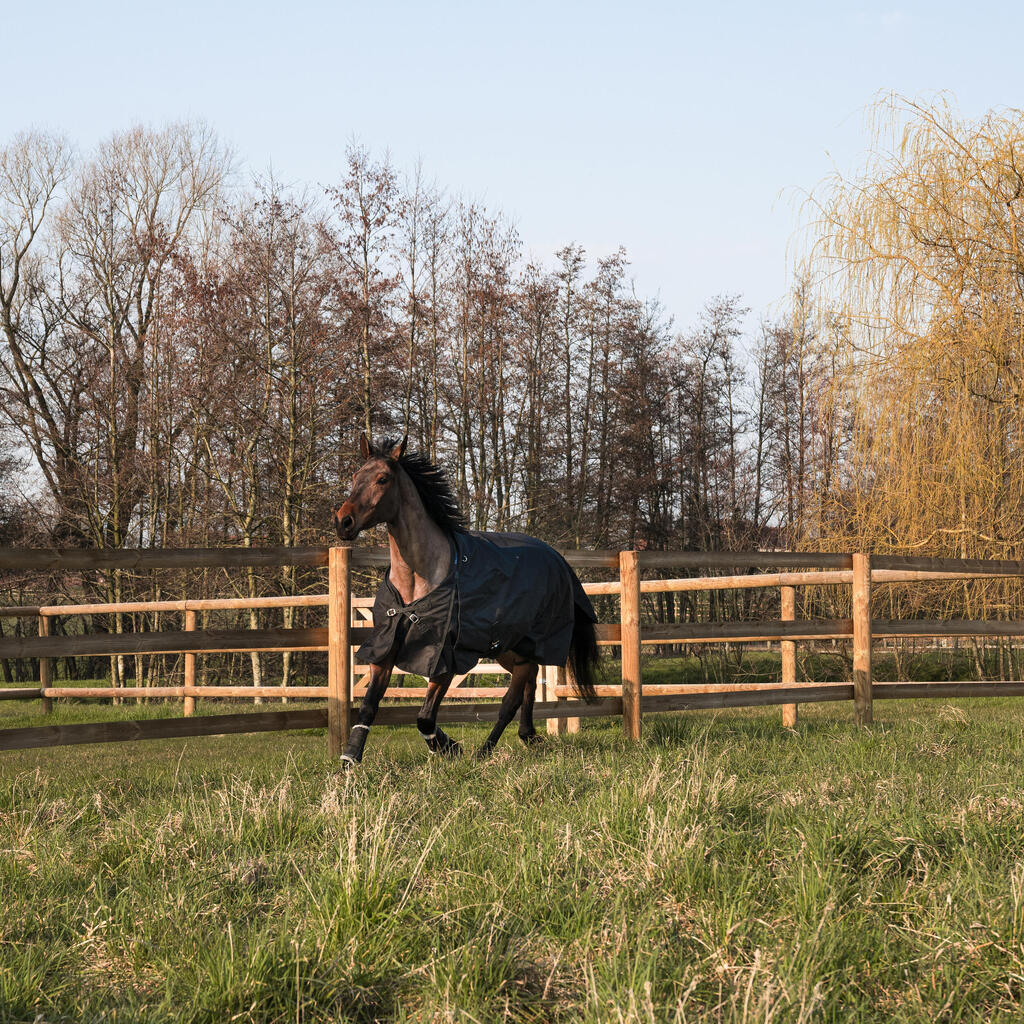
{"x":345,"y":523}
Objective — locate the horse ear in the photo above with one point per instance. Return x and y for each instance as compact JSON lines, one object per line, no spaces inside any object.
{"x":364,"y":446}
{"x":399,"y":450}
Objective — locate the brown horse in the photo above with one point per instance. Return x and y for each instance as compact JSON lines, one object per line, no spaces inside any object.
{"x":452,"y":597}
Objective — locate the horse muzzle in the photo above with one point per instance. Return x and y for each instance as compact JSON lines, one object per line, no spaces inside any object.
{"x":345,"y":525}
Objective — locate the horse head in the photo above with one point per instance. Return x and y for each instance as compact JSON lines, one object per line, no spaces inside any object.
{"x":375,"y":495}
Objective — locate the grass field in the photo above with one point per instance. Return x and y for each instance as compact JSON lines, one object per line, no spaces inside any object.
{"x":723,"y":869}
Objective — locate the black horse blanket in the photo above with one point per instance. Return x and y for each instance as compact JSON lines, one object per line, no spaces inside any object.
{"x":505,"y":592}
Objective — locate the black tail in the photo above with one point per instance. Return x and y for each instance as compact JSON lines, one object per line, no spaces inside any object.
{"x":584,"y":656}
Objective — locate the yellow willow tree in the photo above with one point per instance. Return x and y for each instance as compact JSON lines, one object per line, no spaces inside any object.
{"x":918,"y":261}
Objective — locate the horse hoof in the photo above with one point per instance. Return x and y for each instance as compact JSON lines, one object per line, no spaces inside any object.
{"x":348,"y":762}
{"x":533,"y":740}
{"x":452,"y":751}
{"x":483,"y":754}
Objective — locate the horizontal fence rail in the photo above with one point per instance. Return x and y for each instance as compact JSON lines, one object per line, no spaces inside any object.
{"x":750,"y":559}
{"x":169,"y":558}
{"x":986,"y":566}
{"x":206,"y":641}
{"x":227,"y":558}
{"x":348,"y":626}
{"x":194,"y":605}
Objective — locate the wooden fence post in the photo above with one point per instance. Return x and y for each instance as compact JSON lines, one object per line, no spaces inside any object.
{"x":553,"y":679}
{"x":339,"y":649}
{"x":572,"y":725}
{"x":862,"y":710}
{"x":190,"y":668}
{"x":549,"y":680}
{"x":45,"y":665}
{"x":789,"y":712}
{"x":632,"y":681}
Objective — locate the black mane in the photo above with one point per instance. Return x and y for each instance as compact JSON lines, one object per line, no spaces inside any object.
{"x":431,"y":484}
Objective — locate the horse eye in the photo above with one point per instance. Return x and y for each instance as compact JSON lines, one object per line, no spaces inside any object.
{"x":383,"y":480}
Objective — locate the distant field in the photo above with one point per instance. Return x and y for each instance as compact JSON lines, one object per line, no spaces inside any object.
{"x":724,"y":664}
{"x":723,"y":869}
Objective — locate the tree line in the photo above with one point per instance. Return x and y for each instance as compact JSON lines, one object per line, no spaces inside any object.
{"x":187,"y":362}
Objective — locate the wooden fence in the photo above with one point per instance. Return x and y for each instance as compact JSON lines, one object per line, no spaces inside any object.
{"x":347,"y":628}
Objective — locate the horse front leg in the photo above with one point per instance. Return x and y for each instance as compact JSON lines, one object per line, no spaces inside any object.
{"x":380,"y":677}
{"x":437,"y":740}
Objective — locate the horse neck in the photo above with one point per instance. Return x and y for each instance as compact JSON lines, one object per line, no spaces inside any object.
{"x":420,"y":552}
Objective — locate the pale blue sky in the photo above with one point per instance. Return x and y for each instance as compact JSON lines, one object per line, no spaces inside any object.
{"x":670,"y":129}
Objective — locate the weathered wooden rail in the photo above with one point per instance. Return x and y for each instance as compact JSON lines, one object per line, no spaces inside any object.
{"x":630,"y":698}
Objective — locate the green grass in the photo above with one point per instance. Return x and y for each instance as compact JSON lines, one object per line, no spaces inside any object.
{"x":723,"y":869}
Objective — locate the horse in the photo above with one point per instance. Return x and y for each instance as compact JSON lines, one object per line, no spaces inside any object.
{"x":453,"y":596}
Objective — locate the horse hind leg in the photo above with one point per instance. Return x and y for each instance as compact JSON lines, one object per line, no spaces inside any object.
{"x":522,"y":672}
{"x":527,"y":732}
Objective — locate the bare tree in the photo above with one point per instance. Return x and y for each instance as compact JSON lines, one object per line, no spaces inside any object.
{"x":33,"y":170}
{"x":367,"y":208}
